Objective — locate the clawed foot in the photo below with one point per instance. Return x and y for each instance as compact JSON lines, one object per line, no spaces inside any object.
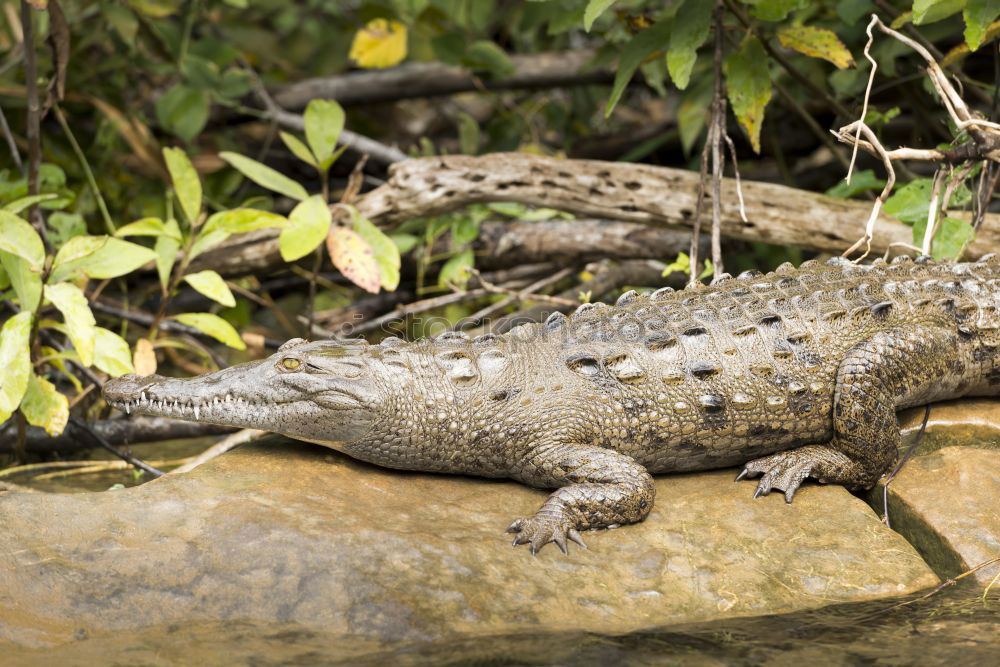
{"x":783,"y":471}
{"x":541,"y":529}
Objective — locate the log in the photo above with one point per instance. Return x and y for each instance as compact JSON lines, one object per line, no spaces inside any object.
{"x":538,"y":70}
{"x":118,"y":432}
{"x":638,"y":193}
{"x":599,"y":193}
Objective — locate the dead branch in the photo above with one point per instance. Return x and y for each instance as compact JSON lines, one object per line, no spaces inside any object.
{"x":540,"y":70}
{"x":658,"y":196}
{"x":115,"y":431}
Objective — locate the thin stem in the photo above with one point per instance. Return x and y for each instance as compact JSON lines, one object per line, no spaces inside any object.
{"x":11,"y":144}
{"x":34,"y":119}
{"x":91,"y":181}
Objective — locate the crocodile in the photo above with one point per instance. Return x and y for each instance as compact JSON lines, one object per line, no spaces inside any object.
{"x":794,"y":374}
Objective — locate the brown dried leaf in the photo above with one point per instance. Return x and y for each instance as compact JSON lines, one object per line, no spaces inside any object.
{"x":352,"y":255}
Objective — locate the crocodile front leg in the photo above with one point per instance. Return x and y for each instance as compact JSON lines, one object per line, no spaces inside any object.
{"x":891,"y":369}
{"x":600,"y":488}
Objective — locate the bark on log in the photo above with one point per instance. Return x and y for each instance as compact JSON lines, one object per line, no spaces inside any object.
{"x":540,"y":70}
{"x":116,"y":431}
{"x":659,"y":196}
{"x":501,"y":244}
{"x":600,"y":192}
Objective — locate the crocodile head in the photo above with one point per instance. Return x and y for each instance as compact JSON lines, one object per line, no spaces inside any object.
{"x":321,"y":392}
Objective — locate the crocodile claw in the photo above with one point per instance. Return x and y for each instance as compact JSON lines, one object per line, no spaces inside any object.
{"x":537,"y":531}
{"x":784,"y":473}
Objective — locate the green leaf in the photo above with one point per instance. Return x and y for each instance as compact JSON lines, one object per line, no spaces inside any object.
{"x":80,"y":323}
{"x":404,"y":242}
{"x":207,"y":240}
{"x":692,"y":113}
{"x":242,"y":220}
{"x":354,"y":257}
{"x":978,"y":15}
{"x":19,"y":205}
{"x":64,"y":226}
{"x":774,"y":10}
{"x":19,"y":238}
{"x":386,"y":253}
{"x":183,"y":110}
{"x":456,"y":270}
{"x":44,"y":406}
{"x":324,"y":121}
{"x":910,"y":202}
{"x":950,"y":237}
{"x":187,"y":185}
{"x":27,"y":282}
{"x":112,"y":354}
{"x":861,"y":181}
{"x":298,"y":149}
{"x":635,"y":51}
{"x":166,"y":250}
{"x":929,"y":11}
{"x":211,"y":284}
{"x":15,"y":360}
{"x":748,"y":83}
{"x":816,"y":43}
{"x":484,"y":55}
{"x":594,"y":9}
{"x":148,"y":227}
{"x":689,"y":31}
{"x":214,"y":326}
{"x":308,"y":224}
{"x":111,"y":259}
{"x":264,"y":176}
{"x":682,"y":264}
{"x":468,"y":134}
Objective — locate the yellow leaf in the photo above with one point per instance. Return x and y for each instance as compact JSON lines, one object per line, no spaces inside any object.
{"x":380,"y":43}
{"x":354,"y":257}
{"x":816,"y":43}
{"x":144,"y":358}
{"x":44,"y":406}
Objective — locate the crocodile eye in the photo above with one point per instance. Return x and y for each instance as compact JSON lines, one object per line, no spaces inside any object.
{"x":290,"y":363}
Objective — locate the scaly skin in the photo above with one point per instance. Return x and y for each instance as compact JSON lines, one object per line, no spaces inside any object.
{"x":797,"y":373}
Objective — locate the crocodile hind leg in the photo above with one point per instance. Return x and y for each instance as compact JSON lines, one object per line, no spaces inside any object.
{"x":599,"y":488}
{"x":892,"y":368}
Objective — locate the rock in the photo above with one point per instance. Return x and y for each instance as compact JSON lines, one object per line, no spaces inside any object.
{"x":944,"y":500}
{"x":292,"y":534}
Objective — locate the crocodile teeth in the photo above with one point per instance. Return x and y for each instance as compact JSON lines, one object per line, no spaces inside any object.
{"x":142,"y":397}
{"x":196,"y":412}
{"x":128,"y":410}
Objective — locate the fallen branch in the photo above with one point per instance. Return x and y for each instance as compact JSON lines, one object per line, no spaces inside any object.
{"x":114,"y":431}
{"x":500,"y":244}
{"x":219,"y":448}
{"x":658,"y":196}
{"x":539,"y":70}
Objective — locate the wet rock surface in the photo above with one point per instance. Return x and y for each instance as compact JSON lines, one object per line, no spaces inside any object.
{"x":946,"y":498}
{"x":298,"y":536}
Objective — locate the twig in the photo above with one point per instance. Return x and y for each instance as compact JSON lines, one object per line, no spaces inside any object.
{"x":528,"y":293}
{"x":868,"y":92}
{"x":890,"y":181}
{"x":109,"y":225}
{"x":932,"y":209}
{"x":219,"y":448}
{"x":377,"y":150}
{"x":125,"y":456}
{"x":34,"y":118}
{"x":11,"y":144}
{"x":115,"y":431}
{"x":934,"y":591}
{"x":719,"y":119}
{"x":414,"y":308}
{"x":899,"y":466}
